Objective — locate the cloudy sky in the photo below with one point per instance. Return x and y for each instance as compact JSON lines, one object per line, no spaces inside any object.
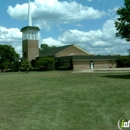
{"x":86,"y":23}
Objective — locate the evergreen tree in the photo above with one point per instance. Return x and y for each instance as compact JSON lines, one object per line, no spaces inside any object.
{"x":25,"y":65}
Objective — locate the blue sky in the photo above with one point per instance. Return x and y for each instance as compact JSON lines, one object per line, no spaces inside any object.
{"x":86,"y":23}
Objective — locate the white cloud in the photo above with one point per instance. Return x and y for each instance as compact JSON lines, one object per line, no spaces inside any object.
{"x":52,"y":42}
{"x":19,"y":12}
{"x":76,"y":36}
{"x":112,"y":12}
{"x":11,"y":36}
{"x":101,"y":41}
{"x":46,"y":12}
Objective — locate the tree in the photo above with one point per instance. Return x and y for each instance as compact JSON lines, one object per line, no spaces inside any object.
{"x":129,"y":52}
{"x":25,"y":65}
{"x":45,"y":62}
{"x":123,"y":61}
{"x":6,"y":64}
{"x":45,"y":47}
{"x":16,"y":65}
{"x":122,"y":23}
{"x":8,"y":55}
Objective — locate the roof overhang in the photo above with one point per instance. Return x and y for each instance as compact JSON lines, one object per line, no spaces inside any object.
{"x":29,"y":28}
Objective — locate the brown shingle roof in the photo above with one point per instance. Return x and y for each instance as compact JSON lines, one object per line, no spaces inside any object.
{"x":52,"y":51}
{"x":89,"y":57}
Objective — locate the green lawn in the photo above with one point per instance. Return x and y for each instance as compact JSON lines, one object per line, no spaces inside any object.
{"x":60,"y":100}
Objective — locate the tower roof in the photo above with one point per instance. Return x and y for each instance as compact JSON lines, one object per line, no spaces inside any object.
{"x":30,"y":28}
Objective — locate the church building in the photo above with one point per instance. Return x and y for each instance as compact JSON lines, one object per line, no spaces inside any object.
{"x":72,"y":56}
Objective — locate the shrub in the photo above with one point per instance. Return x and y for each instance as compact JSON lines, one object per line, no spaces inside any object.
{"x":25,"y":65}
{"x":45,"y":63}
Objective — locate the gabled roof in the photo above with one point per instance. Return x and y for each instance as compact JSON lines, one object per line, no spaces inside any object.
{"x":52,"y":51}
{"x":82,"y":49}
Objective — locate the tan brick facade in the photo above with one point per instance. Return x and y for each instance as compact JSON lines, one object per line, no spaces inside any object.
{"x":104,"y":64}
{"x":85,"y":64}
{"x":30,"y":49}
{"x":80,"y":65}
{"x":70,"y":51}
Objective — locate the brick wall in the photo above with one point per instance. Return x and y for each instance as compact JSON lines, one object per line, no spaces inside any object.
{"x":72,"y":50}
{"x":104,"y":64}
{"x":81,"y":65}
{"x":30,"y":49}
{"x":84,"y":64}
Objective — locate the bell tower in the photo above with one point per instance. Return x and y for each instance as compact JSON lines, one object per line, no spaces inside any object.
{"x":30,"y":47}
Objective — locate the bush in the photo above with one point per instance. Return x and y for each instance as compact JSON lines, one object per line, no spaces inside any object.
{"x":25,"y":65}
{"x":45,"y":63}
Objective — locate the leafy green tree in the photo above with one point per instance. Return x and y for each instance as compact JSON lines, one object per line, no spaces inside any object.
{"x":122,"y":23}
{"x":5,"y":65}
{"x":45,"y":47}
{"x":45,"y":62}
{"x":123,"y":61}
{"x":16,"y":66}
{"x":25,"y":65}
{"x":8,"y":55}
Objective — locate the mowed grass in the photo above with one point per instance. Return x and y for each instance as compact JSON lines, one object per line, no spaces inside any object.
{"x":61,"y":100}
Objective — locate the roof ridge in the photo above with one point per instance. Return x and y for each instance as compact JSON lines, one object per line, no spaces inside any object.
{"x":82,"y":49}
{"x":56,"y":47}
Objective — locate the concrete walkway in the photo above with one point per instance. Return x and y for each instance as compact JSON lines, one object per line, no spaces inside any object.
{"x":103,"y":70}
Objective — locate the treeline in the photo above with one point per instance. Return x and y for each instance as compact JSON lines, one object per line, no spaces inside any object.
{"x":10,"y":61}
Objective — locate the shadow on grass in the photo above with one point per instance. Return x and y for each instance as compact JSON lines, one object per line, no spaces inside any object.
{"x":125,"y":76}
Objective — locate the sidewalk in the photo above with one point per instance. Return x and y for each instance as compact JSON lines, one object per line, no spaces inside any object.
{"x":102,"y":70}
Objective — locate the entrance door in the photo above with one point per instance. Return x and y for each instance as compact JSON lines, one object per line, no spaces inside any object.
{"x":91,"y":65}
